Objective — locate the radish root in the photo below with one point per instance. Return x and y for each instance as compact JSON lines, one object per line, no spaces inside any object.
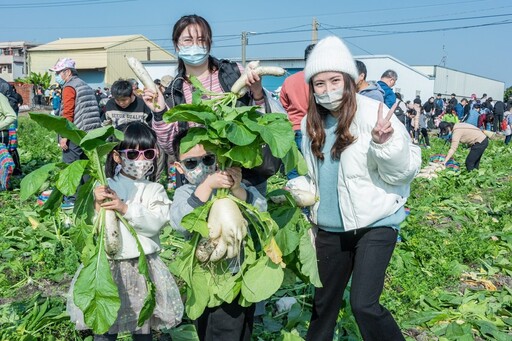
{"x":240,"y":87}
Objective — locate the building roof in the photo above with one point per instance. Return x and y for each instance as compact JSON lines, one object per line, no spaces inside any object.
{"x":5,"y":44}
{"x":447,"y":68}
{"x":398,"y":61}
{"x":86,"y":43}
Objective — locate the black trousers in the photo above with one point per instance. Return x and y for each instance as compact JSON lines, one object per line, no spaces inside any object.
{"x":364,"y":254}
{"x":475,"y":154}
{"x":497,"y":122}
{"x":72,"y":154}
{"x":424,"y":133}
{"x":228,"y":322}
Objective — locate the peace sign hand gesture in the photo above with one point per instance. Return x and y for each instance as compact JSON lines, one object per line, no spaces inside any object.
{"x":383,"y":129}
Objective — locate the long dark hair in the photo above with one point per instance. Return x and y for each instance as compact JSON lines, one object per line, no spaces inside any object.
{"x":137,"y":135}
{"x":315,"y":121}
{"x":185,"y":23}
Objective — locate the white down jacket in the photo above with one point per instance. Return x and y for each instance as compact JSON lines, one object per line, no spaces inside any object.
{"x":373,"y":179}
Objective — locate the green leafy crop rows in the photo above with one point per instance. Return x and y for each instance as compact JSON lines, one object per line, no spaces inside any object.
{"x":450,"y":277}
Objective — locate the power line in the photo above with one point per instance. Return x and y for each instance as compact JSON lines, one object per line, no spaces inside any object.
{"x":63,"y":3}
{"x":294,"y":29}
{"x":506,"y":22}
{"x":351,"y":43}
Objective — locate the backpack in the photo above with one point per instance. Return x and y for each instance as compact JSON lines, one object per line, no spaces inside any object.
{"x":8,"y":91}
{"x":504,"y":124}
{"x":399,"y":112}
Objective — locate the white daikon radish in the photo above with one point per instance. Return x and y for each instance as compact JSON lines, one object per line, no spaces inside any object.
{"x":303,"y":198}
{"x":205,"y":248}
{"x":112,"y":233}
{"x":225,"y":216}
{"x":220,"y":250}
{"x":240,"y":88}
{"x":142,"y":74}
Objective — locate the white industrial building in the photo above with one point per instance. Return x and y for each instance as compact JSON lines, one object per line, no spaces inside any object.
{"x":448,"y":81}
{"x":410,"y":83}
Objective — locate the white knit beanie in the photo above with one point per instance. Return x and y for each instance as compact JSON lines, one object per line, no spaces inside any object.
{"x":330,"y":54}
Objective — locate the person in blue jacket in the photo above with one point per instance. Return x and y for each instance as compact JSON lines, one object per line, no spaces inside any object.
{"x":387,"y":81}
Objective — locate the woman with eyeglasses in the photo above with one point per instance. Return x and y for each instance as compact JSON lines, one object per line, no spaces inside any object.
{"x":229,"y":321}
{"x":146,"y":207}
{"x":192,"y":39}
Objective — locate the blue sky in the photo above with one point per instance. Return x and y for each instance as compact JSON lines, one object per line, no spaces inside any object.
{"x":471,"y":36}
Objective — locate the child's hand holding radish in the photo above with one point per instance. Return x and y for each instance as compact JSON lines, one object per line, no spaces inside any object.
{"x":236,"y":174}
{"x":108,"y":199}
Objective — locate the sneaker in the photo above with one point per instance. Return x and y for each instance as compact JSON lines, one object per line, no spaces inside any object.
{"x":67,"y":205}
{"x":428,"y":147}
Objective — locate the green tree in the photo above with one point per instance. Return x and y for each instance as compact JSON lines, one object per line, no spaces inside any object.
{"x":37,"y":79}
{"x":508,"y":94}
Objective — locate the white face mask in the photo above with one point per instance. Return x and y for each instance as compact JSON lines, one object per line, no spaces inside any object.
{"x":137,"y":169}
{"x":330,"y":100}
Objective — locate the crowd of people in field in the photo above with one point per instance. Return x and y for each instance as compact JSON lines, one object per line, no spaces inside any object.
{"x":361,"y":142}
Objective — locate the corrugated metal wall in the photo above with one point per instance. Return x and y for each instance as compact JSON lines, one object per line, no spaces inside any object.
{"x":41,"y":61}
{"x":110,"y":62}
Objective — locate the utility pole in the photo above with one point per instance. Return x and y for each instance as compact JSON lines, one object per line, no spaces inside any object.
{"x":245,"y":41}
{"x":244,"y":44}
{"x":314,"y":33}
{"x":25,"y":71}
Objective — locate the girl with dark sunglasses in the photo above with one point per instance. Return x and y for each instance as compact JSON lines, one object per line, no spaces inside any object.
{"x":146,"y":206}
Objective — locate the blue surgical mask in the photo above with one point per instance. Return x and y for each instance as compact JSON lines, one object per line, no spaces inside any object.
{"x":59,"y":80}
{"x":193,"y":55}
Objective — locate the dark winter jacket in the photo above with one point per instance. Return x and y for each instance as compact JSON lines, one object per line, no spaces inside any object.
{"x":87,"y":112}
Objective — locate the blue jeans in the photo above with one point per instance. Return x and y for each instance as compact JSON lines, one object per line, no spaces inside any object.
{"x":298,"y":141}
{"x":507,"y":139}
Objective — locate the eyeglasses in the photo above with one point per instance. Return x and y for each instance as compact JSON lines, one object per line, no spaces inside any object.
{"x":189,"y":41}
{"x":192,"y":162}
{"x":133,"y":154}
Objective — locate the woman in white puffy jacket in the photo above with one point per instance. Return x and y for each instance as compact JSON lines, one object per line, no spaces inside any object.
{"x":361,"y":162}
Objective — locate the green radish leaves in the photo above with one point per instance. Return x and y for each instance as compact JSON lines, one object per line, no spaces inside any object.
{"x":95,"y":291}
{"x":60,"y":125}
{"x":70,"y":177}
{"x":33,"y":182}
{"x":264,"y":268}
{"x":235,"y":134}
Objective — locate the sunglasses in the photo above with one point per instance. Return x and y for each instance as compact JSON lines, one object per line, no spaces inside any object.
{"x":192,"y":162}
{"x":133,"y":154}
